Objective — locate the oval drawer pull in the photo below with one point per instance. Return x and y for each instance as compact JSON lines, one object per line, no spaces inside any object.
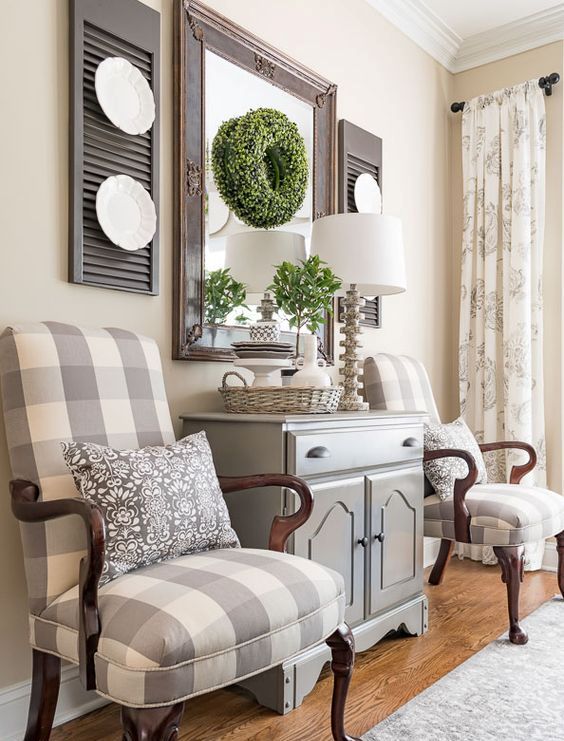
{"x":380,"y":537}
{"x":320,"y":451}
{"x":363,"y":541}
{"x":411,"y":442}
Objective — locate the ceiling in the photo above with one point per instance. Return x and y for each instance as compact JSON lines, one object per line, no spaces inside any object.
{"x":468,"y":17}
{"x":461,"y":34}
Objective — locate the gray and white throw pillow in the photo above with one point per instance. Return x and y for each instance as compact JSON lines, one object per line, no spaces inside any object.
{"x":158,"y":502}
{"x":443,"y":472}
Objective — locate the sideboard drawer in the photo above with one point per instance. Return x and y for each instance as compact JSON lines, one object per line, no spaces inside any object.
{"x":313,"y":453}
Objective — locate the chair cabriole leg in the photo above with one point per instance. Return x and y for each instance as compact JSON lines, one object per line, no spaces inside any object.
{"x":151,"y":724}
{"x":560,"y":549}
{"x":445,"y":552}
{"x":511,"y":560}
{"x":44,"y":694}
{"x":341,"y":643}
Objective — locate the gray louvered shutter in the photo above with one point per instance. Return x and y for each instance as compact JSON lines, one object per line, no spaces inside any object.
{"x":101,"y":29}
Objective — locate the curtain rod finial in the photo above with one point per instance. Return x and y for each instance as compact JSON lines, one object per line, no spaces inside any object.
{"x":457,"y":107}
{"x":546,"y":83}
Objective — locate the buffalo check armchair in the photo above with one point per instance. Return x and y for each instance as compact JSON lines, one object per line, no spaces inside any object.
{"x":156,"y":636}
{"x":505,"y":516}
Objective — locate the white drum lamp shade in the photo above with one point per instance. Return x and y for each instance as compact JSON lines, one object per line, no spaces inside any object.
{"x":362,"y":249}
{"x":252,"y":257}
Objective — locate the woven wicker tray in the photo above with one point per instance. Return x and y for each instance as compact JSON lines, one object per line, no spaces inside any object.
{"x":278,"y":399}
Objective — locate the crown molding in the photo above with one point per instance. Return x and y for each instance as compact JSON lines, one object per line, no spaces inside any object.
{"x":522,"y":35}
{"x":428,"y":31}
{"x":422,"y":26}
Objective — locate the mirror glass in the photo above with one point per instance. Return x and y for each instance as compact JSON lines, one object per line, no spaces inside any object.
{"x":230,"y":92}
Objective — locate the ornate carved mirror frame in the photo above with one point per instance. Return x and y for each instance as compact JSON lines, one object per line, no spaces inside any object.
{"x":198,"y":28}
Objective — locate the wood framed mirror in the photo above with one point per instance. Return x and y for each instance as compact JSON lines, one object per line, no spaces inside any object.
{"x":222,"y":71}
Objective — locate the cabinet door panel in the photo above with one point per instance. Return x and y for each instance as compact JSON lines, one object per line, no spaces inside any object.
{"x":331,"y":537}
{"x":396,"y":555}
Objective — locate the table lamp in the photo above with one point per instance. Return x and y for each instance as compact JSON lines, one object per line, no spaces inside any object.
{"x":366,"y":251}
{"x":252,"y":258}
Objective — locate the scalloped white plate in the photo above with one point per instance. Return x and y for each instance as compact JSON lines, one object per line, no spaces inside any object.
{"x":367,"y":194}
{"x":124,"y":95}
{"x":126,"y":212}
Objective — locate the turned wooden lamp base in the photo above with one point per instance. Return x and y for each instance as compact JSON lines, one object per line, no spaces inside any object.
{"x":352,"y":405}
{"x":351,"y":401}
{"x":366,"y":251}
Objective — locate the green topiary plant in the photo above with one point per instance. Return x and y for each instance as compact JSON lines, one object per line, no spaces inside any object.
{"x":305,"y":292}
{"x":223,"y":294}
{"x":260,"y":167}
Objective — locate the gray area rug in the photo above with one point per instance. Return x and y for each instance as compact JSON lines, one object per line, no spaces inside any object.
{"x":502,"y":693}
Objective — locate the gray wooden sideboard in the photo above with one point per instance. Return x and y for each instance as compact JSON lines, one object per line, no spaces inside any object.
{"x":365,"y":470}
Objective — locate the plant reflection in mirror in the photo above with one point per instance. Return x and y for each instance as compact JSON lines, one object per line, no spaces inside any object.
{"x":260,"y":167}
{"x":223,"y":294}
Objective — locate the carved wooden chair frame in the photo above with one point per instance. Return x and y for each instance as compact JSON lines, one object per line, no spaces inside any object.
{"x":511,"y":558}
{"x":161,"y":723}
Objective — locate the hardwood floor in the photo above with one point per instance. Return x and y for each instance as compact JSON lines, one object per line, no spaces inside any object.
{"x":466,"y":613}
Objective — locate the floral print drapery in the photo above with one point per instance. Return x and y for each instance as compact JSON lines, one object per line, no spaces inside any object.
{"x":500,"y":349}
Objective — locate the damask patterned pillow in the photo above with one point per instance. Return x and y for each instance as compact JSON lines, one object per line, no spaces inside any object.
{"x":443,"y":472}
{"x":158,"y":502}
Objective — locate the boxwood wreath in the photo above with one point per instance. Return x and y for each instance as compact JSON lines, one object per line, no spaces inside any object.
{"x":260,"y":167}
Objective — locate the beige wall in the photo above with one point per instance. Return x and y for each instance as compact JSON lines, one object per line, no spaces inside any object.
{"x":386,"y":84}
{"x":510,"y":71}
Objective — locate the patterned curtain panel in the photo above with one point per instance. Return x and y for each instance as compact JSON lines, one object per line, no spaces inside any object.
{"x":500,"y":352}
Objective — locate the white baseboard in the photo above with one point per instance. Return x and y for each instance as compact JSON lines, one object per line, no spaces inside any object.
{"x":73,"y":702}
{"x":430,"y":551}
{"x":550,"y":560}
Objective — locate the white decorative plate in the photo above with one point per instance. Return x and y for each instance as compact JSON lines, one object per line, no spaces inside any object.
{"x":124,"y":95}
{"x":218,"y":212}
{"x":367,"y":194}
{"x":126,"y":212}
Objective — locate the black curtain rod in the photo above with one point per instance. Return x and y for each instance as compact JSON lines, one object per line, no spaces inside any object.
{"x":545,"y":83}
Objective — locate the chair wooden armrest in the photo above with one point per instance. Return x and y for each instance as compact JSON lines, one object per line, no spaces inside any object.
{"x":461,"y":488}
{"x":27,"y":508}
{"x":282,"y":527}
{"x":517,"y":472}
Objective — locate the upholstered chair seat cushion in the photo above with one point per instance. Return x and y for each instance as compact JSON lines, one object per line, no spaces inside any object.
{"x":179,"y":628}
{"x":502,"y":514}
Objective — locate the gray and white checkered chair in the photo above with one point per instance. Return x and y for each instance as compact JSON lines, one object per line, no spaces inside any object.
{"x":504,"y":516}
{"x":159,"y":635}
